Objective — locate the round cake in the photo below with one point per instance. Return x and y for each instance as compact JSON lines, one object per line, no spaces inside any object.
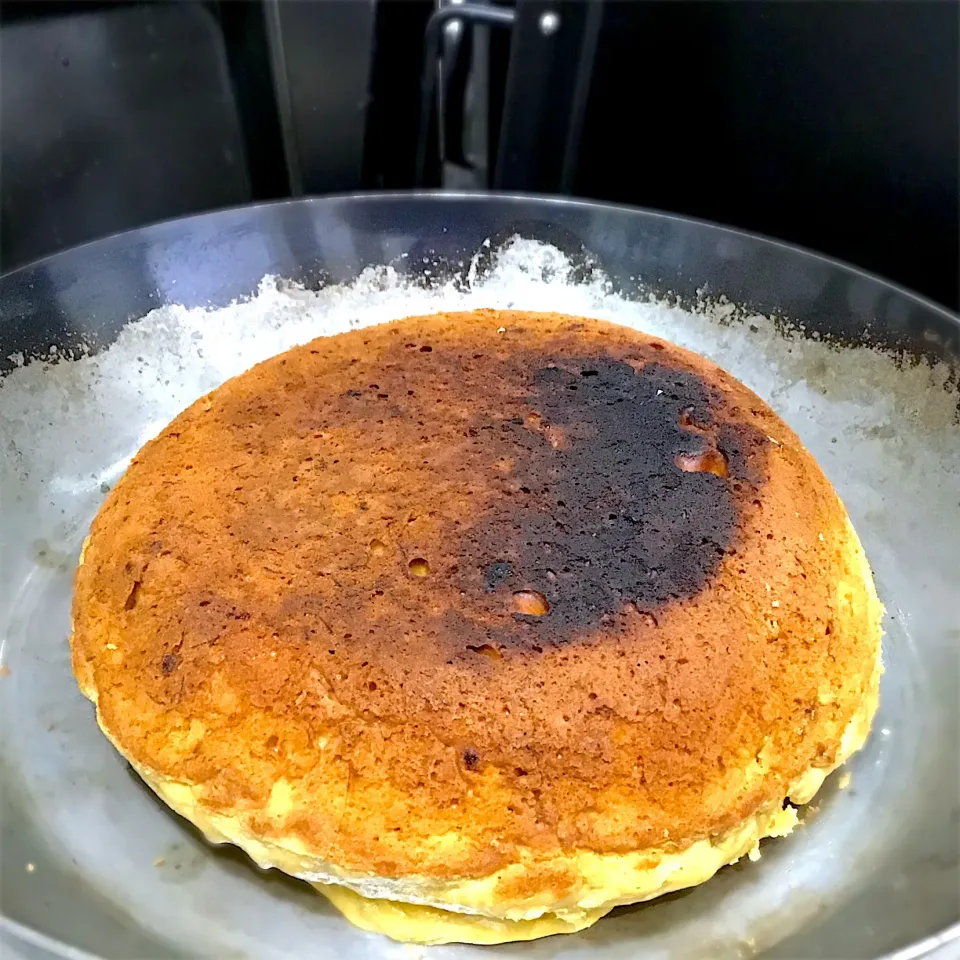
{"x":484,"y":623}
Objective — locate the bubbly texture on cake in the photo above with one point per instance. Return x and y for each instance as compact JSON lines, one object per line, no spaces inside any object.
{"x":492,"y":621}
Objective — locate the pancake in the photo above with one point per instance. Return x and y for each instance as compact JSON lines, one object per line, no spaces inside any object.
{"x":483,"y":623}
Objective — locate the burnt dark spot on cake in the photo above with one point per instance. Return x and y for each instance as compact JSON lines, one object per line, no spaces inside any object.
{"x":471,"y":759}
{"x":131,"y":600}
{"x":495,"y":574}
{"x":168,"y":664}
{"x":529,"y":493}
{"x":625,"y":500}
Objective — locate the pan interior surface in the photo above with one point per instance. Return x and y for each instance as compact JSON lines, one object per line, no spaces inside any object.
{"x":93,"y":859}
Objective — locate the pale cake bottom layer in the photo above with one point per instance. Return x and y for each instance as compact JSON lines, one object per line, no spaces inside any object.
{"x":418,"y":910}
{"x":425,"y":924}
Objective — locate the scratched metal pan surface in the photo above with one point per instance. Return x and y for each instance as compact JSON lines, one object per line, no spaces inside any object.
{"x":93,"y":865}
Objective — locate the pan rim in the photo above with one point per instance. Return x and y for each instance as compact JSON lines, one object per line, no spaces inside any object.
{"x":442,"y":196}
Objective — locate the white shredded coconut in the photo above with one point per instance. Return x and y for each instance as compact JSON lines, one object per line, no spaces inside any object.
{"x":75,"y":424}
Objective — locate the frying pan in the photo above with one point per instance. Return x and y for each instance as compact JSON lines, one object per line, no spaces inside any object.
{"x":92,"y":865}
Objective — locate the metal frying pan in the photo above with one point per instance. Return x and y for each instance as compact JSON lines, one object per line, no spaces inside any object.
{"x":93,"y":865}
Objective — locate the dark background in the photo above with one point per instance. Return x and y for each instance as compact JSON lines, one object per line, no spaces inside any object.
{"x":830,"y":123}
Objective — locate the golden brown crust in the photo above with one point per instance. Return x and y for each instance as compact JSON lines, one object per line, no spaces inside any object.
{"x":251,"y":607}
